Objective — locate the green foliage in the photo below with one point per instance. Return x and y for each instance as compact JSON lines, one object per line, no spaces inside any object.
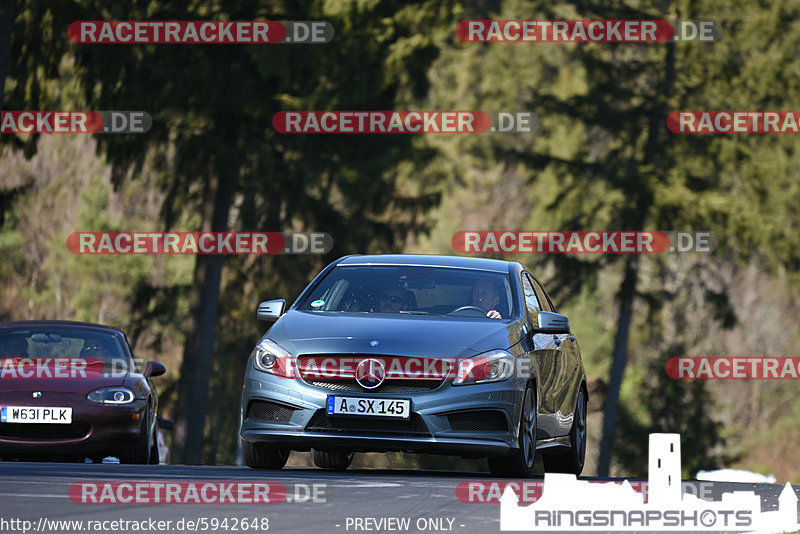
{"x":602,"y":159}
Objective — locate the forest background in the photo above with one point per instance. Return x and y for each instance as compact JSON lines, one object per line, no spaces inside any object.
{"x":602,"y":159}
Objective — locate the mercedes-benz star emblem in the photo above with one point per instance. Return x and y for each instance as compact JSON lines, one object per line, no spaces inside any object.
{"x":37,"y":394}
{"x":373,"y":343}
{"x":370,"y":373}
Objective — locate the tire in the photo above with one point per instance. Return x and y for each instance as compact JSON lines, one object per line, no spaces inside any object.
{"x":263,"y":455}
{"x":521,"y":462}
{"x":140,"y":451}
{"x":337,"y":460}
{"x":572,"y":461}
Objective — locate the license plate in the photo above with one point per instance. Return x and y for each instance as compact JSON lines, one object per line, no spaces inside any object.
{"x":400,"y":408}
{"x":35,"y":414}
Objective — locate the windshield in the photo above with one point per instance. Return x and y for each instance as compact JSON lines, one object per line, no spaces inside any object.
{"x":58,"y":342}
{"x":412,"y":290}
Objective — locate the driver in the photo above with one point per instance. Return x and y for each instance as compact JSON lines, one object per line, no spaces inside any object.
{"x":95,"y":347}
{"x":484,"y":295}
{"x":393,"y":300}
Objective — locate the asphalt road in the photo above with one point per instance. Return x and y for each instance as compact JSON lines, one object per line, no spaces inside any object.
{"x":40,"y":493}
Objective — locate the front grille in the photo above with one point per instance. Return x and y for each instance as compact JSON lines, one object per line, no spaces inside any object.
{"x":413,"y":427}
{"x":478,"y":421}
{"x":335,"y":372}
{"x":389,"y":386}
{"x":269,"y":411}
{"x":43,"y":430}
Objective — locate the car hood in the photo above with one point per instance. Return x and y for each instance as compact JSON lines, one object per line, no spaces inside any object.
{"x":304,"y":332}
{"x":65,"y":385}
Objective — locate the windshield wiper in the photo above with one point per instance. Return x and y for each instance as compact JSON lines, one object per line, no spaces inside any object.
{"x":412,"y":312}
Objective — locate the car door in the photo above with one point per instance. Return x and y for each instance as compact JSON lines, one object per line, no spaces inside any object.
{"x":544,"y":353}
{"x":565,"y":365}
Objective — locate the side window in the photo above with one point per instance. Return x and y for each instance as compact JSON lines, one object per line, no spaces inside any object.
{"x":544,"y":298}
{"x":531,"y":301}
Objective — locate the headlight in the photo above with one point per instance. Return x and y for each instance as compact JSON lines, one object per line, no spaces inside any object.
{"x":492,"y":366}
{"x":112,"y":396}
{"x":270,"y":357}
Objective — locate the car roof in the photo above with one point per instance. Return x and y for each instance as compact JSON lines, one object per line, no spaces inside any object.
{"x":76,"y":324}
{"x":429,"y":260}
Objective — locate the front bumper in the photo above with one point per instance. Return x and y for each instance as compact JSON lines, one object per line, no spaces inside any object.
{"x":94,"y":427}
{"x":301,"y":423}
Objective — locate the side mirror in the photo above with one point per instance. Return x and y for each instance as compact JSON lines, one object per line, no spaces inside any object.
{"x":270,"y":310}
{"x":552,"y":323}
{"x":154,"y":369}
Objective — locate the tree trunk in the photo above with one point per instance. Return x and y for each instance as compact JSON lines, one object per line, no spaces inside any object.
{"x":627,"y":292}
{"x":192,"y":404}
{"x":7,"y":10}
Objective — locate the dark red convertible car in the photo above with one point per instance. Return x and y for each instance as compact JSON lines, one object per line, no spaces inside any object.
{"x":70,"y":390}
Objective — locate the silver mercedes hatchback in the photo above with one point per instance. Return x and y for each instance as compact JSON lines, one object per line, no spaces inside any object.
{"x":428,"y":354}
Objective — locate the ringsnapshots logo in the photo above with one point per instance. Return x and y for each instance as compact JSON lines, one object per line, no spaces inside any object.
{"x":581,"y":242}
{"x":405,"y":122}
{"x":200,"y":32}
{"x":573,"y":505}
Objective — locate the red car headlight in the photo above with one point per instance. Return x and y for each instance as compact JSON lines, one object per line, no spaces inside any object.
{"x":113,"y":396}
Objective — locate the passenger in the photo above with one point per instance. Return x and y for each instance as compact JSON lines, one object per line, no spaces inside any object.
{"x":15,"y":347}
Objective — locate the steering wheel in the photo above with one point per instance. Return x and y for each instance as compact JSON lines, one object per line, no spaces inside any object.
{"x":478,"y":309}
